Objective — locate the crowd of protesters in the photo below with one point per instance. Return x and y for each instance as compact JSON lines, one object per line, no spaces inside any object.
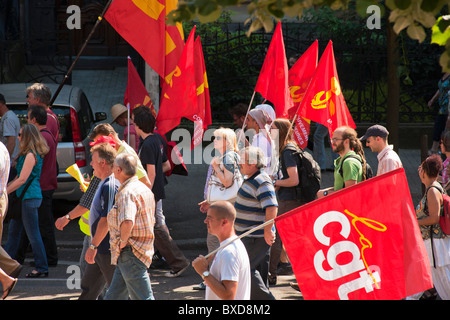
{"x":252,"y":180}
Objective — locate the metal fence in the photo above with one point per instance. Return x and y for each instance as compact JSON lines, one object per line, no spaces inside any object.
{"x":233,"y":62}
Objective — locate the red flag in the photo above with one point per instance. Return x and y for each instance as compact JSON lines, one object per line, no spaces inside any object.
{"x":324,"y":102}
{"x":179,"y":96}
{"x":351,"y":245}
{"x":203,"y":117}
{"x":136,"y":94}
{"x":174,"y":43}
{"x":273,"y":79}
{"x":300,"y":76}
{"x":141,"y":23}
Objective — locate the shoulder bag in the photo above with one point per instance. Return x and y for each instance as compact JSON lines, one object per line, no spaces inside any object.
{"x":217,"y":191}
{"x":15,"y":203}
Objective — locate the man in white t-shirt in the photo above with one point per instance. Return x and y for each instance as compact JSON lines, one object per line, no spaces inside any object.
{"x":229,"y":276}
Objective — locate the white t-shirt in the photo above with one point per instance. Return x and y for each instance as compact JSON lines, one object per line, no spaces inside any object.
{"x":231,"y":263}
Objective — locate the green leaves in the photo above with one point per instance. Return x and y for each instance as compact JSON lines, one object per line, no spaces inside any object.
{"x":414,"y":16}
{"x":441,"y":30}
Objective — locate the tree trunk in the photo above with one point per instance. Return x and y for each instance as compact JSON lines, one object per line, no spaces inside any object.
{"x":393,"y":94}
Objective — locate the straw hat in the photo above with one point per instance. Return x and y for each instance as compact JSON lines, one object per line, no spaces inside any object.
{"x":117,"y":110}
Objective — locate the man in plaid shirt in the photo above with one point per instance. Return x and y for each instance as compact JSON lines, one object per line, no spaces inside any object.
{"x":130,"y":223}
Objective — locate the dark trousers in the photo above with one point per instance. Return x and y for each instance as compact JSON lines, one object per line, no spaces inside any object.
{"x":47,"y":229}
{"x":96,"y":276}
{"x":258,"y":254}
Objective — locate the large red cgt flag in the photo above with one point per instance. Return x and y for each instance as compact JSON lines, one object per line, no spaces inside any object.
{"x":135,"y":93}
{"x":179,"y":96}
{"x":360,"y":243}
{"x":141,"y":23}
{"x":273,"y":78}
{"x":300,"y":75}
{"x":202,"y":119}
{"x":324,"y":102}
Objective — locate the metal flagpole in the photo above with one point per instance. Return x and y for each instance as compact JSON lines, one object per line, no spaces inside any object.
{"x":99,"y":19}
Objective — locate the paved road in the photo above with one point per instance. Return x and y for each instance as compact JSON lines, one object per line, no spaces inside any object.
{"x":62,"y":281}
{"x":105,"y":88}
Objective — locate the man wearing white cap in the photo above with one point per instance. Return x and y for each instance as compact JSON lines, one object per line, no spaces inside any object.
{"x":376,"y":139}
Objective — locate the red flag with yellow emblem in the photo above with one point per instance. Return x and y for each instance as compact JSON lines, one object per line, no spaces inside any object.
{"x":203,"y":117}
{"x":300,"y":75}
{"x":352,"y":246}
{"x":179,"y":96}
{"x":324,"y":102}
{"x":136,"y":95}
{"x":142,"y":24}
{"x":174,"y":42}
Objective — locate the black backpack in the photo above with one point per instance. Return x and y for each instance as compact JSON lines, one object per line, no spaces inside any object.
{"x":308,"y":175}
{"x":369,"y":171}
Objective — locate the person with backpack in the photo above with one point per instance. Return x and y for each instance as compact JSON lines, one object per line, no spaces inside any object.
{"x":350,"y":166}
{"x":428,"y":213}
{"x":286,"y":192}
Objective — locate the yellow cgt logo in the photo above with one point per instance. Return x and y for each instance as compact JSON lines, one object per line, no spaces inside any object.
{"x":321,"y":102}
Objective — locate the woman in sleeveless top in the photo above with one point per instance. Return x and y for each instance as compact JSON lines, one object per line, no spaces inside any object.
{"x":33,"y":148}
{"x":436,"y":241}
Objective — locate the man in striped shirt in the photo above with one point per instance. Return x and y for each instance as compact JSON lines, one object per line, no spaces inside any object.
{"x":377,"y":140}
{"x":255,"y":204}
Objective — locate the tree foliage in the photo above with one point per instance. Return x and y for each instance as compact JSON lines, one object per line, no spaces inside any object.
{"x":414,"y":16}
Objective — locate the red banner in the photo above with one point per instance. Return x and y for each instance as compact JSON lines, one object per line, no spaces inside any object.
{"x":301,"y":132}
{"x":360,"y":243}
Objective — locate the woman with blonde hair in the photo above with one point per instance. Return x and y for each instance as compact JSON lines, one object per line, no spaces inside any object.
{"x":32,"y":149}
{"x":223,"y":177}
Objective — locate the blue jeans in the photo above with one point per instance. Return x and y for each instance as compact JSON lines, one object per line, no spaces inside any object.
{"x":29,"y":222}
{"x":319,"y":146}
{"x":130,"y":279}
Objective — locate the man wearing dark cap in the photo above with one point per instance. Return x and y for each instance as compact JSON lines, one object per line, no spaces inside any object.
{"x":376,"y":139}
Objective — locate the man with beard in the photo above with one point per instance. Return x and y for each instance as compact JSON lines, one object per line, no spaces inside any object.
{"x":351,"y":158}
